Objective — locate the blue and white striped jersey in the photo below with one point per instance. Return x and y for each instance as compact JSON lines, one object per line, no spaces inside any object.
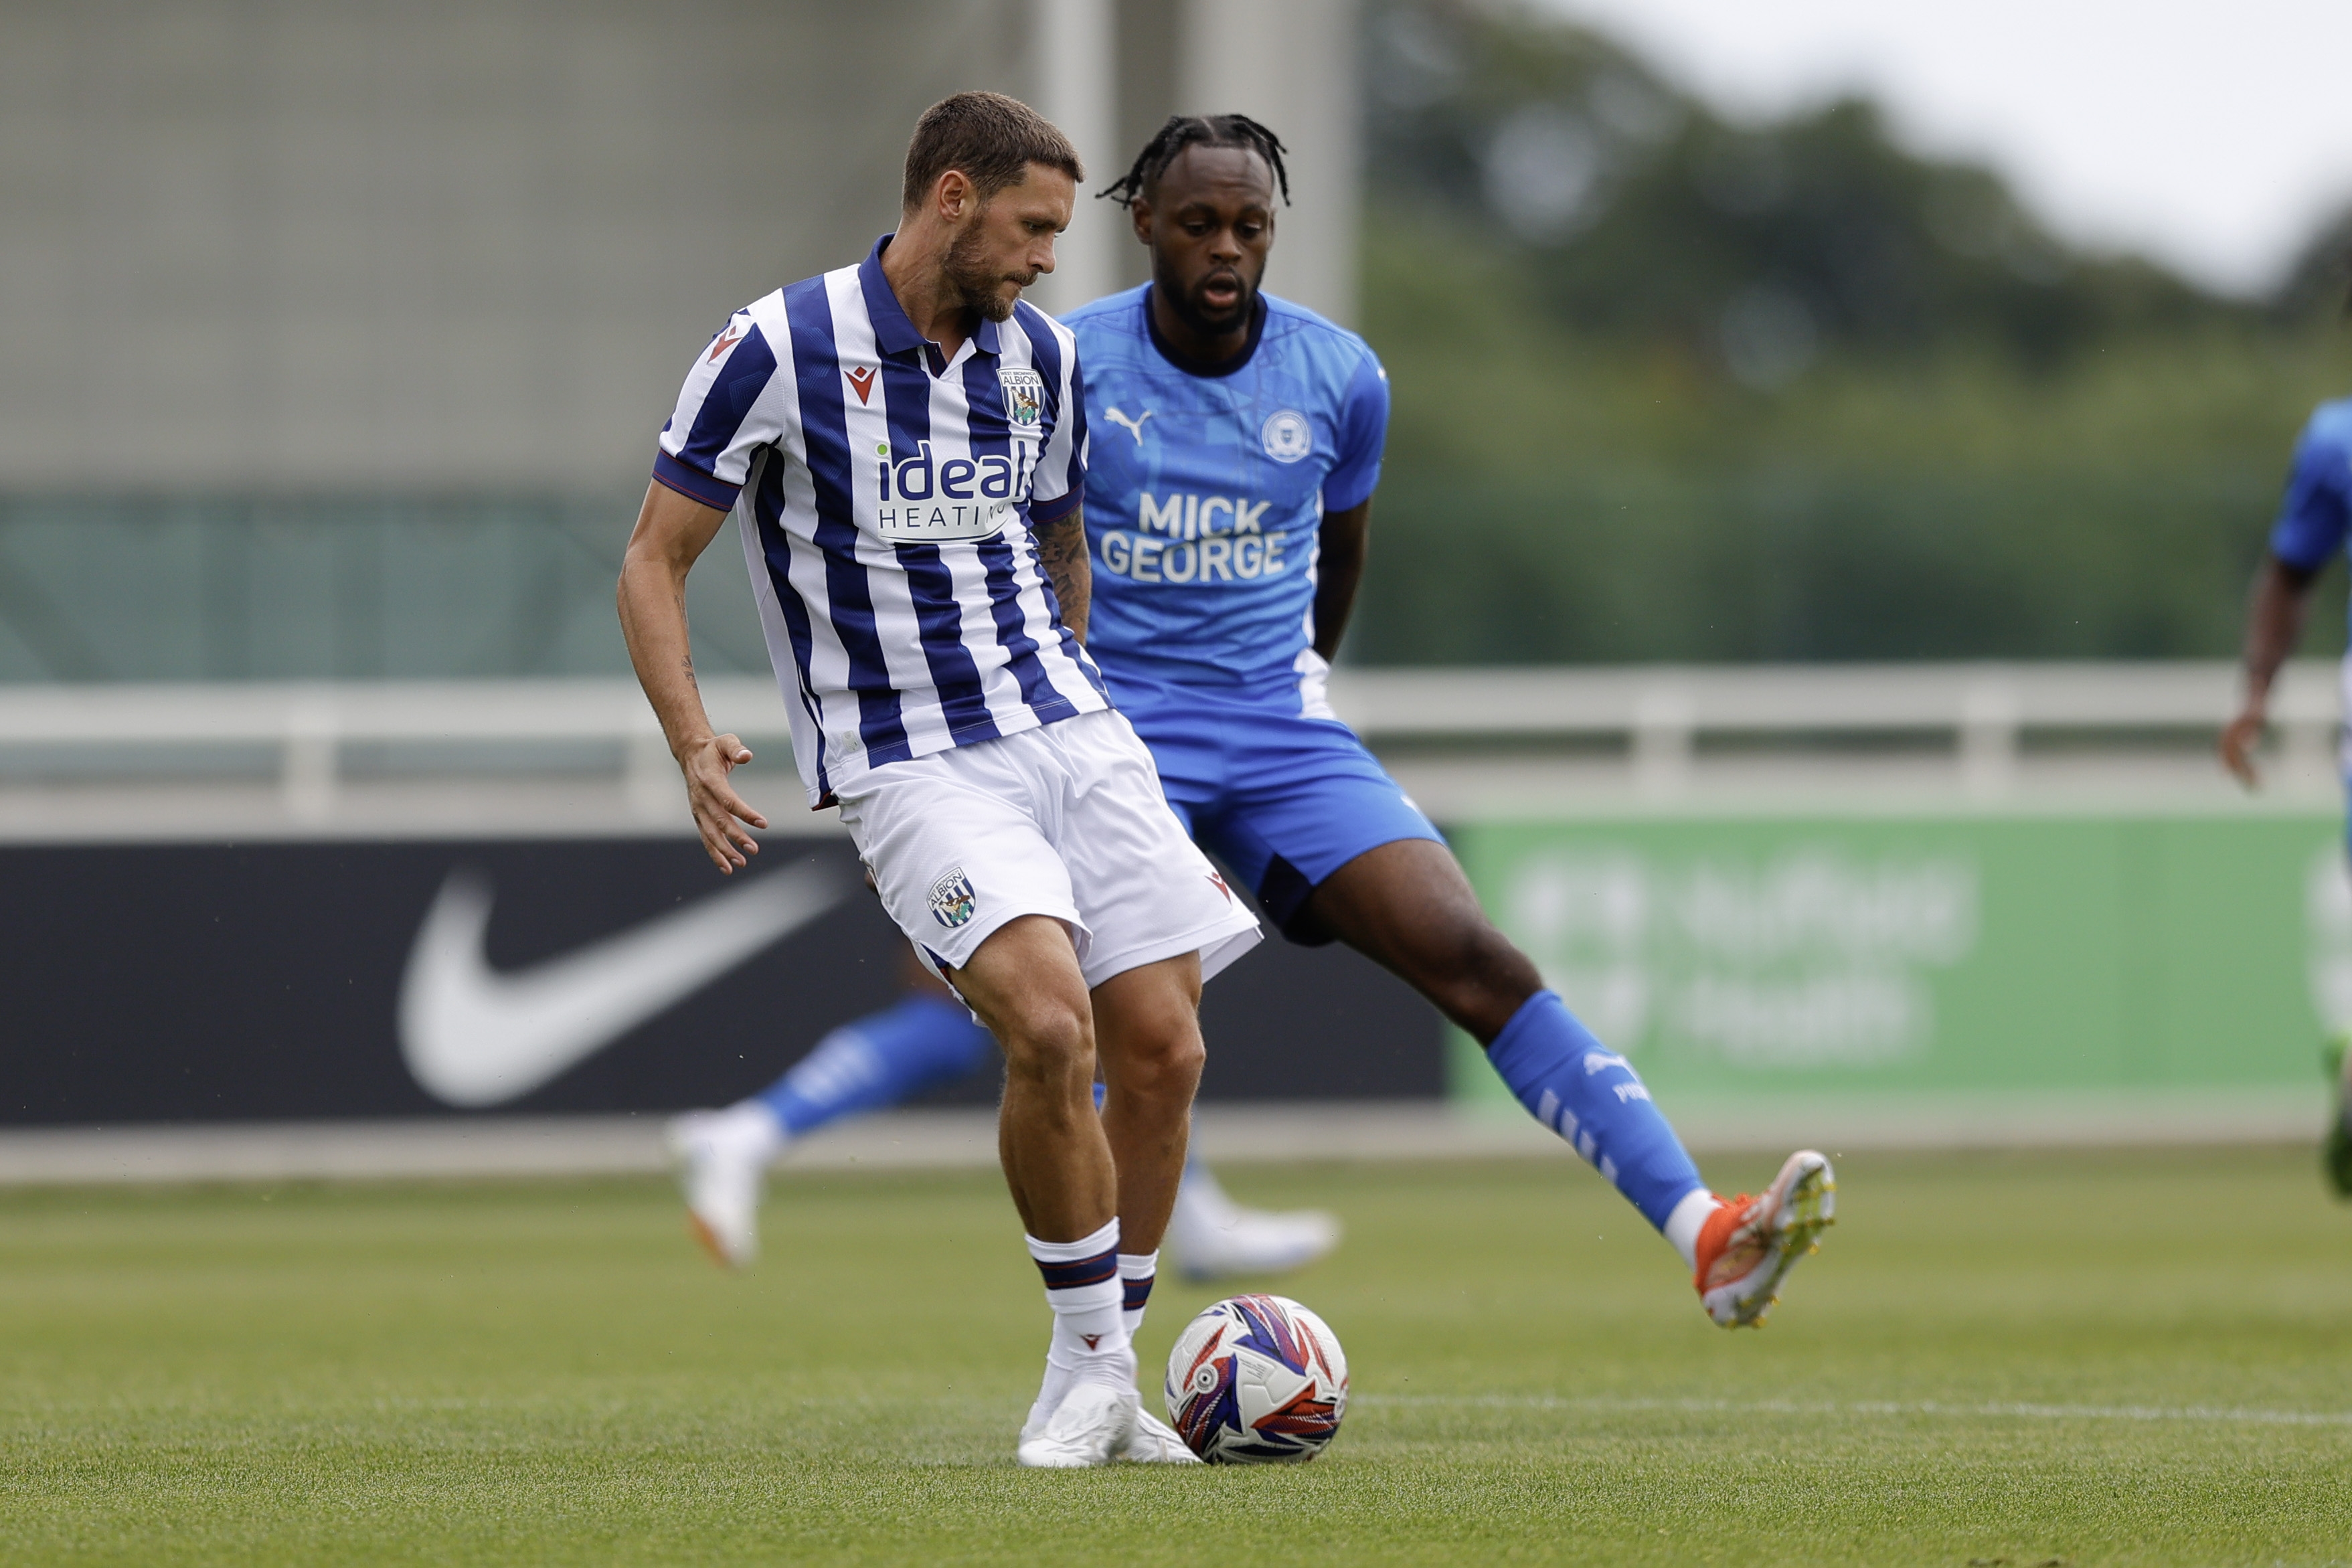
{"x":884,"y":499}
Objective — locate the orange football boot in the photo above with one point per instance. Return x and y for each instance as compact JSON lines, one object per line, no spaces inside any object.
{"x":1749,"y":1244}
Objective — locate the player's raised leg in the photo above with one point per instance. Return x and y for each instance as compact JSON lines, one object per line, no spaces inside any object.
{"x":1407,"y":906}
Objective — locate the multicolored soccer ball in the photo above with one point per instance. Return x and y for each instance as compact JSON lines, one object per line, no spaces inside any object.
{"x":1256,"y":1380}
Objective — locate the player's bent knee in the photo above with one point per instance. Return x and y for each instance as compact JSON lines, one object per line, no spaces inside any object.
{"x":1167,"y":1062}
{"x":1045,"y":1040}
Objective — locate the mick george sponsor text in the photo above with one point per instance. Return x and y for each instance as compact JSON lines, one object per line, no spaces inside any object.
{"x":1194,"y":538}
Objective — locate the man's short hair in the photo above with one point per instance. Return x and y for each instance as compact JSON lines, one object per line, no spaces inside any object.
{"x":992,"y":138}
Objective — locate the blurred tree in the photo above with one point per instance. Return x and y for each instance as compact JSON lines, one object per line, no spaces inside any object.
{"x":1671,"y":388}
{"x":2319,"y":284}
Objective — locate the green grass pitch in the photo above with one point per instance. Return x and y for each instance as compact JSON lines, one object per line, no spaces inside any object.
{"x":2128,"y":1357}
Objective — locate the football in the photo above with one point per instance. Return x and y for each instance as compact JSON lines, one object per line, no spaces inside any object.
{"x":1256,"y":1380}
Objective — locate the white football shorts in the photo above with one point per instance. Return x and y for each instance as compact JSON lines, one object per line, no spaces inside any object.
{"x":1065,"y":820}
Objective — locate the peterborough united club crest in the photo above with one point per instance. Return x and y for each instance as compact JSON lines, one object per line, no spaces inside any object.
{"x":1287,"y":436}
{"x":1025,"y":399}
{"x":952,"y":899}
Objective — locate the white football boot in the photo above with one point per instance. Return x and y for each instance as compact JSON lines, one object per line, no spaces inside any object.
{"x":1093,"y":1424}
{"x":1748,"y":1245}
{"x":1211,"y":1237}
{"x":1156,"y":1443}
{"x":723,"y":1159}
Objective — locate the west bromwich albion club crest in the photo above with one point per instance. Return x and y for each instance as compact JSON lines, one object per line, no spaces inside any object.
{"x":1025,"y":401}
{"x":952,"y":899}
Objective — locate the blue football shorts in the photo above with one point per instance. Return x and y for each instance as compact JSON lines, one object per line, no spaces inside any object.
{"x":1282,"y":800}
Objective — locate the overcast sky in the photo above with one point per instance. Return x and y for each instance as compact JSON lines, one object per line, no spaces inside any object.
{"x":2212,"y":135}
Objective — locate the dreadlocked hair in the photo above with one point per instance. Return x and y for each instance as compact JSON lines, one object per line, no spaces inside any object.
{"x":1184,"y":130}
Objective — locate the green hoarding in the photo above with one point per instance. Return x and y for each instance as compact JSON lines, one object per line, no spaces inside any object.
{"x":1901,"y":956}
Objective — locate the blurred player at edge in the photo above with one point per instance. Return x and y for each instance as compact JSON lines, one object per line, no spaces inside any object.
{"x":903,"y":444}
{"x":1238,"y":442}
{"x":2312,"y":526}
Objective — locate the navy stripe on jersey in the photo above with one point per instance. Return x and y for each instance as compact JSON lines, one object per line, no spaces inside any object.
{"x":963,"y":704}
{"x":825,"y":426}
{"x":776,"y":549}
{"x":1048,"y":353}
{"x":995,"y":437}
{"x":742,"y":377}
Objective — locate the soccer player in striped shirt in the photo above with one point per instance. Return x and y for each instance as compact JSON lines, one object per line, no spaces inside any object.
{"x":903,"y":445}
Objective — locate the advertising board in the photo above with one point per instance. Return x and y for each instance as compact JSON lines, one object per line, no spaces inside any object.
{"x":191,"y":982}
{"x":1916,"y":956}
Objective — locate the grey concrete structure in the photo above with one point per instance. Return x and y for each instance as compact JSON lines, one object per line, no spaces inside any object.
{"x":255,"y":248}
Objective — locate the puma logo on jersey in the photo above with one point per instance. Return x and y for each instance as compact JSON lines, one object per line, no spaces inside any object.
{"x":862,"y":378}
{"x":1134,"y":427}
{"x":727,"y":340}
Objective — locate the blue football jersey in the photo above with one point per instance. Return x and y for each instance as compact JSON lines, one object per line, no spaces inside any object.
{"x":1203,"y":492}
{"x":2317,"y":512}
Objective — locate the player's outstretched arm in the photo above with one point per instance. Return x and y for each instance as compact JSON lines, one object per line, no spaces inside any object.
{"x":1062,"y":548}
{"x":1344,"y":540}
{"x":671,"y":534}
{"x":2282,"y":593}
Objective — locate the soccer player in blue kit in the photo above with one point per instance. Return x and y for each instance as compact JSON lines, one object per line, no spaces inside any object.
{"x":2313,"y":524}
{"x":1228,"y":501}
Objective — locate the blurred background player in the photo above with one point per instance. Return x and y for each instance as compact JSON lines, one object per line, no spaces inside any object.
{"x":1228,"y":506}
{"x":925,"y":1039}
{"x":2311,"y":529}
{"x":904,"y":443}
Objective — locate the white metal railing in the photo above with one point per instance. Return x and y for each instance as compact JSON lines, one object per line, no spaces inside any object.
{"x":310,"y":724}
{"x":1661,"y":712}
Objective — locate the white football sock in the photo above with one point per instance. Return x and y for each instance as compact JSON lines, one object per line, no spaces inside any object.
{"x":1689,"y":1218}
{"x":1136,"y":1272}
{"x":749,"y":1129}
{"x":1081,"y":1286}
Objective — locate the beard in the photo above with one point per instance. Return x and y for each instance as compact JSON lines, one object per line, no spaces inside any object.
{"x":1199,"y":317}
{"x":976,"y":284}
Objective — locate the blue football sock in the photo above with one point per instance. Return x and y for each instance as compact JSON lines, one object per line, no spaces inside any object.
{"x":877,"y":1060}
{"x":1592,"y":1097}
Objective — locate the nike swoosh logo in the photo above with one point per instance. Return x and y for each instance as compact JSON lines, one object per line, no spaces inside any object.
{"x":473,"y":1037}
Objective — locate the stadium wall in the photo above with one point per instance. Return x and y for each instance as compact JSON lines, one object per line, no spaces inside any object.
{"x":435,"y":248}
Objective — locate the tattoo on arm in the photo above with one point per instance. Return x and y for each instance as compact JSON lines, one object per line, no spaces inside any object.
{"x":1062,"y":548}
